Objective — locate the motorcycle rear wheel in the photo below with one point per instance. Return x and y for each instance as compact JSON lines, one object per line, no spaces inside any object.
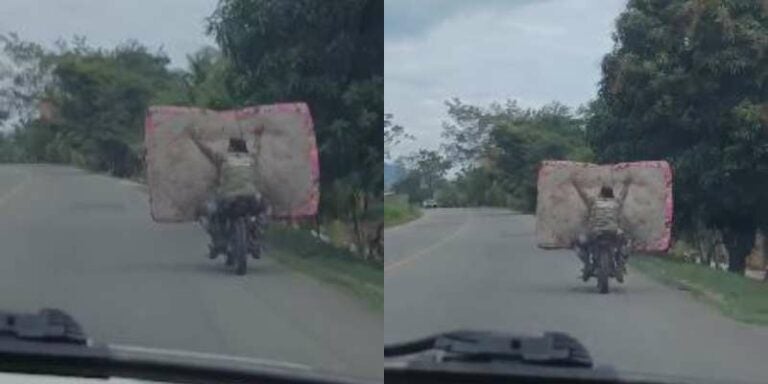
{"x":240,"y":247}
{"x":603,"y":269}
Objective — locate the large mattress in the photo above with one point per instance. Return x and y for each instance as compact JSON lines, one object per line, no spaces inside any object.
{"x":181,"y":178}
{"x":646,"y":215}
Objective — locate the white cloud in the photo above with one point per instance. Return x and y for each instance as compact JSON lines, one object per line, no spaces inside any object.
{"x":533,"y":53}
{"x":176,"y":25}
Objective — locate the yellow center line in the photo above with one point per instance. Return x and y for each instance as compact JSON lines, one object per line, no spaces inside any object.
{"x":406,"y":260}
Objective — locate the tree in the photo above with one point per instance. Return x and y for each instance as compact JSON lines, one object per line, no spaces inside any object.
{"x":25,"y":73}
{"x":96,"y":101}
{"x":479,"y":187}
{"x":327,"y":53}
{"x":101,"y":98}
{"x":687,"y":81}
{"x":467,"y":132}
{"x":9,"y":152}
{"x":431,"y":166}
{"x":426,"y":172}
{"x":521,"y":144}
{"x":501,"y":147}
{"x":393,"y":134}
{"x":210,"y":80}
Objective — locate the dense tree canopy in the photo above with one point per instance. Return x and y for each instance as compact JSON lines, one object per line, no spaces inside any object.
{"x":427,"y":173}
{"x":210,"y":80}
{"x":687,"y":81}
{"x":95,"y":102}
{"x":327,"y":53}
{"x":499,"y":149}
{"x":24,"y":75}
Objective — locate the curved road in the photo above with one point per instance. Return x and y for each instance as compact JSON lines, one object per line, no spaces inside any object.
{"x":85,"y":243}
{"x":480,"y":269}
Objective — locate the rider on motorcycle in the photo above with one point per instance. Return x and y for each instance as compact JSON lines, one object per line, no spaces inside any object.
{"x":236,"y":184}
{"x":603,"y":219}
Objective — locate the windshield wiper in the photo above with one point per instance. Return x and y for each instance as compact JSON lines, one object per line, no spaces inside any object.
{"x":48,"y":325}
{"x":51,"y":342}
{"x":552,"y":348}
{"x":48,"y":342}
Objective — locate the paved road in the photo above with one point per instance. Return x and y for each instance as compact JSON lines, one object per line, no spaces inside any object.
{"x":85,"y":243}
{"x":480,"y":269}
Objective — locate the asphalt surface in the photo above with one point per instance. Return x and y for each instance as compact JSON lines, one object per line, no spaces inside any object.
{"x":480,"y":269}
{"x":86,"y":244}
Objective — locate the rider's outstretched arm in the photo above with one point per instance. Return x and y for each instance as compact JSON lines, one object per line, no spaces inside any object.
{"x":582,"y":194}
{"x":258,"y":133}
{"x":212,"y":155}
{"x":624,"y":191}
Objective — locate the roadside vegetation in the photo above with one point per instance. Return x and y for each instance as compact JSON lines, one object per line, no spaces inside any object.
{"x":737,"y":297}
{"x":686,"y":82}
{"x":321,"y":259}
{"x":703,"y":108}
{"x":495,"y":152}
{"x":691,"y":90}
{"x":83,"y":105}
{"x":398,"y":210}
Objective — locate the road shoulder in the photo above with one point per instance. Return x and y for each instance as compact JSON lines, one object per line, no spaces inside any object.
{"x":397,"y":211}
{"x":740,"y":298}
{"x":303,"y":253}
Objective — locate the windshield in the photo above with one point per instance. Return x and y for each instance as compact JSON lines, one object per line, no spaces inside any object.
{"x":600,"y":169}
{"x":115,"y":205}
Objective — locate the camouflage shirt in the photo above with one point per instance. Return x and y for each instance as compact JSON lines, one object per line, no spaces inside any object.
{"x":237,"y":176}
{"x":604,"y":215}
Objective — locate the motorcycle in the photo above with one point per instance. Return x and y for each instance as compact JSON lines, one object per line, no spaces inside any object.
{"x":243,"y":228}
{"x":607,"y":254}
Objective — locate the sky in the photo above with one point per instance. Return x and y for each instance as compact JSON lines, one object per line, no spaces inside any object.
{"x":178,"y":26}
{"x":482,"y":51}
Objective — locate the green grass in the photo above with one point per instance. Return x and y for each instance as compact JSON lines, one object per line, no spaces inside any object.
{"x":397,"y":211}
{"x":340,"y":233}
{"x":737,"y":297}
{"x":304,"y":253}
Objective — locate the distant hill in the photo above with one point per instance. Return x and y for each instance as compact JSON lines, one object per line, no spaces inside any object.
{"x":392,"y":174}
